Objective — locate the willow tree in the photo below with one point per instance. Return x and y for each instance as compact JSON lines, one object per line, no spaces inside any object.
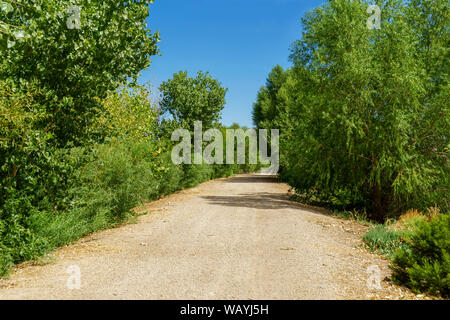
{"x":370,"y":120}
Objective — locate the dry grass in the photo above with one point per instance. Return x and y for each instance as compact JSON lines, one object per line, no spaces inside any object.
{"x":433,"y":212}
{"x":404,"y":222}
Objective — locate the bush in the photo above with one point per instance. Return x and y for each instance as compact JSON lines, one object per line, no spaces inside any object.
{"x":424,"y":265}
{"x":117,"y":177}
{"x":18,"y":243}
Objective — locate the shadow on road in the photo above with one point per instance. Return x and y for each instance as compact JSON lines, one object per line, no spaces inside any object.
{"x":258,"y":201}
{"x":252,"y":179}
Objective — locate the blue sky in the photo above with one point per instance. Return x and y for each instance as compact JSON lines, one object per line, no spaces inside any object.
{"x":237,"y":41}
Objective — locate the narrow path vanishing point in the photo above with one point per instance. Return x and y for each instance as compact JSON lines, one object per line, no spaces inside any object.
{"x":236,"y":238}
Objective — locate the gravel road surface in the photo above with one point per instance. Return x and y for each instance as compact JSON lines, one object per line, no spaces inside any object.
{"x":235,"y":238}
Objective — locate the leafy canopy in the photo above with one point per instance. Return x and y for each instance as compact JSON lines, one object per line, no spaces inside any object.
{"x":75,"y":67}
{"x":364,"y":111}
{"x":193,"y":99}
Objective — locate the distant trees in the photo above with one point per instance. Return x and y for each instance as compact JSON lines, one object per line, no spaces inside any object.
{"x":193,"y":99}
{"x":363,"y":113}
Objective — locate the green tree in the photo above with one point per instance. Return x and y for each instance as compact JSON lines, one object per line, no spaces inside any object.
{"x":75,"y":66}
{"x":265,"y":108}
{"x":275,"y":103}
{"x":193,"y":99}
{"x":128,"y":113}
{"x":366,"y":110}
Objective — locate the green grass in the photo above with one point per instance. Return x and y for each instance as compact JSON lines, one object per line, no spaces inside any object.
{"x":383,"y":241}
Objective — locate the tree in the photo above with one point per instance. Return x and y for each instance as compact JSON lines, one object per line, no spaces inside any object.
{"x":265,"y":108}
{"x":128,"y":113}
{"x":75,"y":67}
{"x":369,"y":121}
{"x":193,"y":99}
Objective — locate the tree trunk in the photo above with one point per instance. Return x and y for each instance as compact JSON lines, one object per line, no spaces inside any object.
{"x":378,"y":213}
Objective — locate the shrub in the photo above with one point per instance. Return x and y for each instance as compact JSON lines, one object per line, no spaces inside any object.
{"x":424,"y":265}
{"x":196,"y":173}
{"x":101,"y":185}
{"x":18,"y":242}
{"x":170,"y":175}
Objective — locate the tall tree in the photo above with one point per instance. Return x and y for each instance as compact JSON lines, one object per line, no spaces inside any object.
{"x":75,"y":52}
{"x":369,"y":118}
{"x":193,"y":99}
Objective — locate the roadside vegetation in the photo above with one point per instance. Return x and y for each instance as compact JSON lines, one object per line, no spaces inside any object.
{"x":81,"y":143}
{"x":364,"y":122}
{"x":363,"y":117}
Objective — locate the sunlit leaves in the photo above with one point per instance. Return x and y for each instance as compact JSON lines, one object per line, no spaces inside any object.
{"x":193,"y":99}
{"x":367,"y":108}
{"x":129,"y":113}
{"x":112,"y":45}
{"x":6,"y":7}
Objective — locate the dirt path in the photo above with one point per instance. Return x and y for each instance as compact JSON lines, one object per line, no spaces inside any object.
{"x":237,"y":238}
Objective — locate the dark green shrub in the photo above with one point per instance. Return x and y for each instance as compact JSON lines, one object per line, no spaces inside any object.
{"x":424,"y":265}
{"x":6,"y":260}
{"x":195,"y":174}
{"x":18,"y":242}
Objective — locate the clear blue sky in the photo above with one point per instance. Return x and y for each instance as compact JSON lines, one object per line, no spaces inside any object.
{"x":237,"y":41}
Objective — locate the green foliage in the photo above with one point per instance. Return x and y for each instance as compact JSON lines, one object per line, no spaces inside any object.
{"x":363,"y":115}
{"x":75,"y":67}
{"x":424,"y":265}
{"x":382,"y":240}
{"x":55,"y":84}
{"x":117,"y":177}
{"x":128,"y":113}
{"x":193,"y":99}
{"x":10,"y":33}
{"x":194,"y":174}
{"x":14,"y":234}
{"x":106,"y":183}
{"x":271,"y":104}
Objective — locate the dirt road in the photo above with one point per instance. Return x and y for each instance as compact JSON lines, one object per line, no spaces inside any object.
{"x":237,"y":238}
